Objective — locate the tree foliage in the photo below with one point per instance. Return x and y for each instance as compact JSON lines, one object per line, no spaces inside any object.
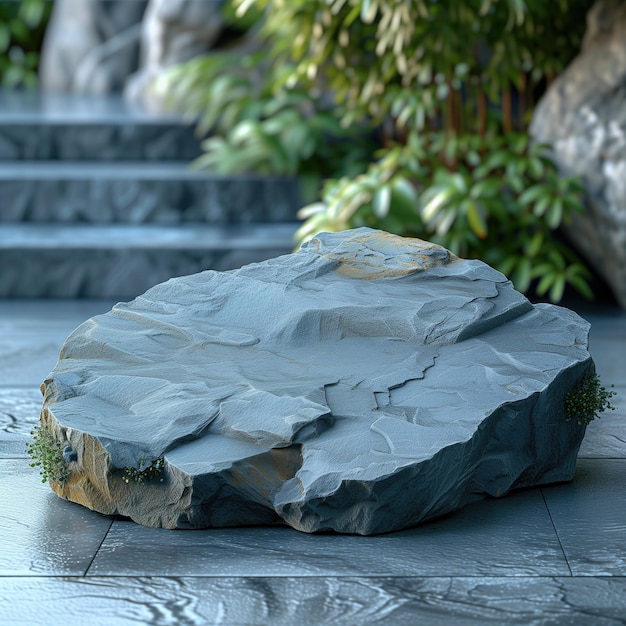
{"x":22,"y":26}
{"x":414,"y":113}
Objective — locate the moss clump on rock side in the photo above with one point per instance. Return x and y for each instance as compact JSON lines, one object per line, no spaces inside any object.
{"x":588,"y":399}
{"x":48,"y":453}
{"x":144,"y":472}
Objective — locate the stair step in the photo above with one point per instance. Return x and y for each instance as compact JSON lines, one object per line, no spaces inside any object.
{"x":97,"y":200}
{"x":38,"y":126}
{"x":138,"y":192}
{"x":32,"y":107}
{"x":122,"y":261}
{"x":97,"y":142}
{"x":32,"y":236}
{"x":108,"y":170}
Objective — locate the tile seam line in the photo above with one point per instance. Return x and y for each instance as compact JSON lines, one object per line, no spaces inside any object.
{"x":95,"y":554}
{"x":342,"y":576}
{"x":322,"y":576}
{"x":556,"y":532}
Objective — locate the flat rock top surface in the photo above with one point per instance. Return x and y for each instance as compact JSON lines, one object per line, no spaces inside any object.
{"x":370,"y":352}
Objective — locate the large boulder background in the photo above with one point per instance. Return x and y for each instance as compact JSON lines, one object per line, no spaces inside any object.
{"x":91,"y":46}
{"x":583,"y":117}
{"x":173,"y":31}
{"x":114,"y":46}
{"x":362,"y":385}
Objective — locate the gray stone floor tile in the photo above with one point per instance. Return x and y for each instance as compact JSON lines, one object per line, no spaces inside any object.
{"x":589,"y":515}
{"x":607,"y":339}
{"x":605,"y":321}
{"x":286,"y":601}
{"x":512,"y":536}
{"x":42,"y":315}
{"x":610,"y":359}
{"x":19,"y":412}
{"x":32,"y":333}
{"x":606,"y":437}
{"x":494,"y":562}
{"x":28,"y":357}
{"x":39,"y":532}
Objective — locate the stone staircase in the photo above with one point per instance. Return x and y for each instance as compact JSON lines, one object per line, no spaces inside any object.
{"x":97,"y":200}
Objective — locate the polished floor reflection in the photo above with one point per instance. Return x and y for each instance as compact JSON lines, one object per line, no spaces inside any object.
{"x":555,"y":555}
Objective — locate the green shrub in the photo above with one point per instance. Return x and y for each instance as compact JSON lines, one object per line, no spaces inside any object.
{"x":414,"y":112}
{"x":47,"y":454}
{"x":501,"y":208}
{"x":587,"y":400}
{"x":255,"y":128}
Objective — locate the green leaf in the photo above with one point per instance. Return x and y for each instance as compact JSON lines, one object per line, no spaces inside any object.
{"x":5,"y":37}
{"x":494,"y":161}
{"x":519,"y":143}
{"x":311,"y":227}
{"x":542,"y":205}
{"x":311,"y":209}
{"x":516,"y":182}
{"x":557,"y":289}
{"x":476,"y":219}
{"x":420,"y":117}
{"x":458,"y":182}
{"x":544,"y":284}
{"x":381,"y":201}
{"x":473,"y":158}
{"x":405,"y":190}
{"x":554,"y":214}
{"x":437,"y":198}
{"x":555,"y":256}
{"x":403,"y":116}
{"x":369,"y":8}
{"x":536,"y":167}
{"x":522,"y":275}
{"x":244,"y":131}
{"x":489,"y":188}
{"x":296,"y":140}
{"x":352,"y":15}
{"x":404,"y":202}
{"x":446,"y":222}
{"x":32,"y":12}
{"x":533,"y":246}
{"x":506,"y":265}
{"x":532,"y":194}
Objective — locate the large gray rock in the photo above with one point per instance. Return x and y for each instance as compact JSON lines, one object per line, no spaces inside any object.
{"x":583,"y":117}
{"x":362,"y":385}
{"x":91,"y":46}
{"x":104,"y":46}
{"x":173,"y":31}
